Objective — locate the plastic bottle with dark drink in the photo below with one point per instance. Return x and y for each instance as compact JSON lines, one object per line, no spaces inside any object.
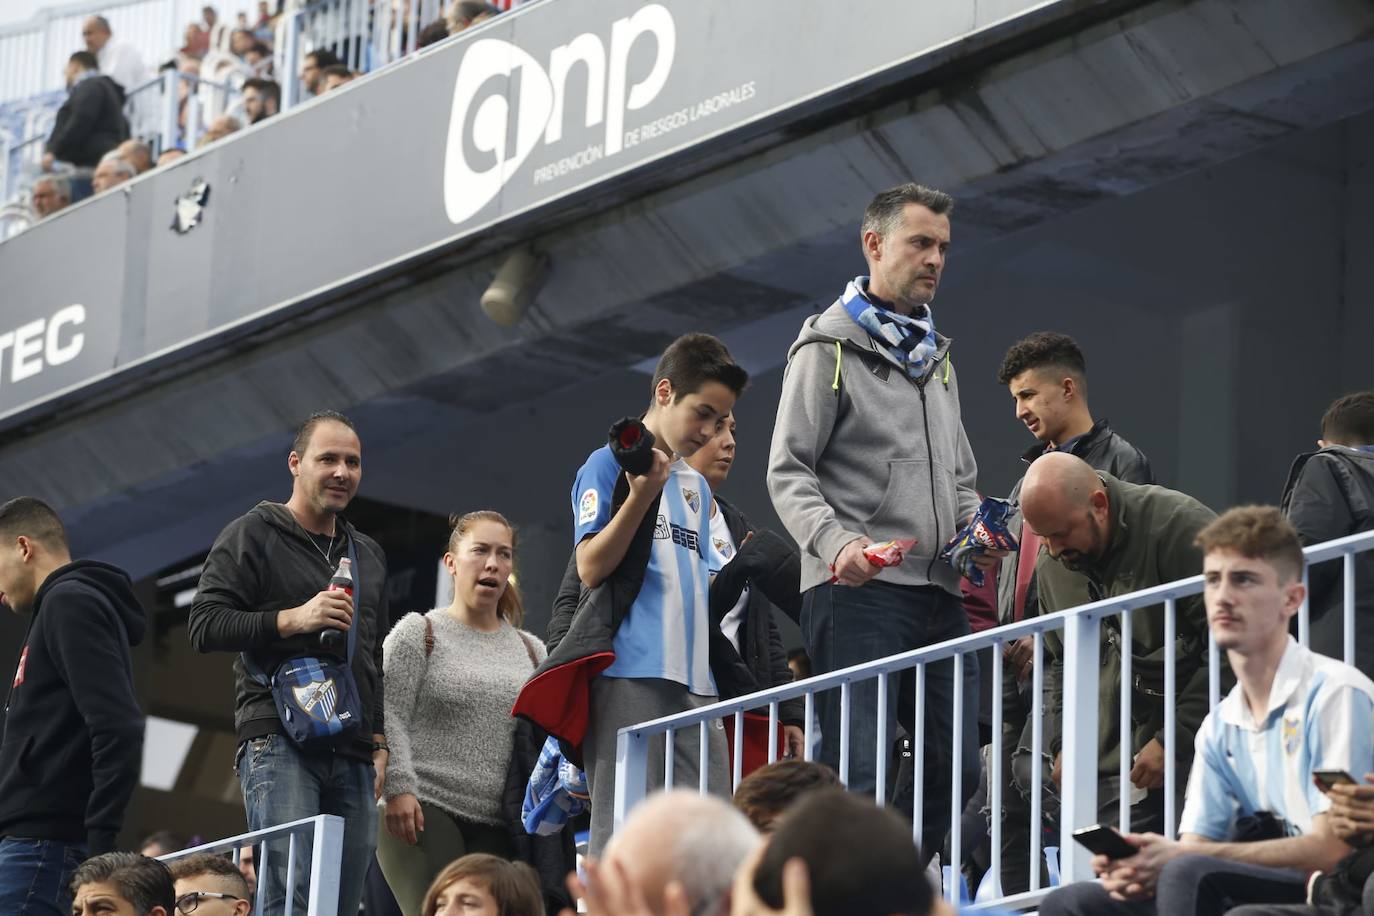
{"x":331,"y":639}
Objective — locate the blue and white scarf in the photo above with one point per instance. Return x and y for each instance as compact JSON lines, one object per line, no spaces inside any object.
{"x":907,"y":340}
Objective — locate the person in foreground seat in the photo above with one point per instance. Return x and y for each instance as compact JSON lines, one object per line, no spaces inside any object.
{"x":1291,"y":712}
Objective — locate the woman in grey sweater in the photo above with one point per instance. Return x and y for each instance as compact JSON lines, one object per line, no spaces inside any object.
{"x":451,"y":678}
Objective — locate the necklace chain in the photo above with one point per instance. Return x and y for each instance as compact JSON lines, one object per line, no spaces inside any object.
{"x":328,"y":560}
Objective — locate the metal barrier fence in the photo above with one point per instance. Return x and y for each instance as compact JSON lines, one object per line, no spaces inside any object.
{"x":1078,"y":800}
{"x":33,"y":54}
{"x":324,"y":834}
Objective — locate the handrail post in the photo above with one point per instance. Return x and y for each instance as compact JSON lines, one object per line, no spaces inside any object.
{"x":290,"y":70}
{"x":631,"y":761}
{"x":1078,"y":795}
{"x":170,"y":108}
{"x":325,"y":864}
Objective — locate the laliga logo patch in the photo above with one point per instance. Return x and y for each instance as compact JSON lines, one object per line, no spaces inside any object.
{"x":317,"y":699}
{"x":586,"y":506}
{"x":505,"y":103}
{"x":693,"y":499}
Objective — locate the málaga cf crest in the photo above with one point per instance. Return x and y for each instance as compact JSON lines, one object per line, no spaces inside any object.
{"x":317,"y":699}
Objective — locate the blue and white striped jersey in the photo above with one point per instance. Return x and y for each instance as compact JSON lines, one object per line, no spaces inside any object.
{"x":1321,"y":713}
{"x":666,"y":634}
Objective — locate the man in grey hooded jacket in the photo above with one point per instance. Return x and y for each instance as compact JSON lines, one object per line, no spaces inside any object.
{"x":869,"y":446}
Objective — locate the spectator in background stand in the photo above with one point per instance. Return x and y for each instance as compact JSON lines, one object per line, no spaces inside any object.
{"x":197,"y":41}
{"x":168,"y":156}
{"x":1330,"y":494}
{"x":161,"y":843}
{"x":50,"y":194}
{"x":248,"y":868}
{"x":464,"y":14}
{"x":264,"y":15}
{"x":65,"y":784}
{"x":261,"y":99}
{"x":136,"y":153}
{"x":89,"y":124}
{"x":123,"y":884}
{"x":677,"y":852}
{"x":111,"y":172}
{"x":312,"y":70}
{"x":334,"y":76}
{"x":219,"y":128}
{"x":209,"y":17}
{"x":768,"y":792}
{"x":259,"y":60}
{"x":118,"y":60}
{"x":433,"y":33}
{"x":240,"y":42}
{"x":210,"y":886}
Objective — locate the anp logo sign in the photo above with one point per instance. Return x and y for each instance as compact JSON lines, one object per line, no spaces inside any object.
{"x":505,"y":103}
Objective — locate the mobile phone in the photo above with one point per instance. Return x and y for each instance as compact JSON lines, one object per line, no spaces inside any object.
{"x":1328,"y":778}
{"x":1102,"y":840}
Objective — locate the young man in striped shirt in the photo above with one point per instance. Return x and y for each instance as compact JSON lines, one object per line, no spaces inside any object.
{"x":1291,"y":712}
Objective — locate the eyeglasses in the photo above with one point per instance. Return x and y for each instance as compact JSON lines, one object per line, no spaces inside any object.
{"x":187,"y":903}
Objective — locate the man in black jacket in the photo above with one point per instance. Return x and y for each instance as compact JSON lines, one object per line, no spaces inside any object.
{"x":90,"y":123}
{"x":1330,"y":494}
{"x":1047,"y":377}
{"x":73,"y":732}
{"x":264,"y":594}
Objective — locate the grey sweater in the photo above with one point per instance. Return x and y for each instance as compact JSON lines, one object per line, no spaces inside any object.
{"x":452,"y":728}
{"x":861,"y":449}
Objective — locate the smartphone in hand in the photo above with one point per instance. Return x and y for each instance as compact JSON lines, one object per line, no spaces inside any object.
{"x":1326,"y":779}
{"x":1102,"y":840}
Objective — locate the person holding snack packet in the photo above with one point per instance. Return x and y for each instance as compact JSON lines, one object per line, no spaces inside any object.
{"x":869,"y":446}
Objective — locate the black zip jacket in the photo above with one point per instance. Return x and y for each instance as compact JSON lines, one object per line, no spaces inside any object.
{"x":262,"y":563}
{"x":73,"y":738}
{"x":581,"y":644}
{"x":1330,"y":494}
{"x":90,"y":123}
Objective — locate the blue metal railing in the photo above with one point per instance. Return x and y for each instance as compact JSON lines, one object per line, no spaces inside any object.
{"x":324,"y":836}
{"x":1078,"y":800}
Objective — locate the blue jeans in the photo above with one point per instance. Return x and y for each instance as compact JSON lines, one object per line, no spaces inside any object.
{"x":36,"y":876}
{"x":281,"y":784}
{"x":1190,"y":885}
{"x":844,"y":626}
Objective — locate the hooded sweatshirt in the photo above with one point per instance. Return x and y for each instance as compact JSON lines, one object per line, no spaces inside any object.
{"x":90,"y":123}
{"x":262,"y":563}
{"x":73,"y":733}
{"x":859,"y":448}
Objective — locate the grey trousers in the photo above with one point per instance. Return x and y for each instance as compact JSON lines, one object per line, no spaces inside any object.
{"x":1190,"y":885}
{"x":617,"y":702}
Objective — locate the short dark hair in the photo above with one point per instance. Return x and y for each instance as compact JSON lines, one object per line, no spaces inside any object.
{"x":86,"y":60}
{"x":860,"y":857}
{"x":433,"y":33}
{"x":169,"y":840}
{"x":695,"y":359}
{"x":1259,"y":533}
{"x":770,"y":790}
{"x":336,"y":70}
{"x":215,"y":866}
{"x":803,"y":660}
{"x":307,"y":429}
{"x":32,"y":518}
{"x":884,"y":211}
{"x":468,"y":10}
{"x":102,"y":22}
{"x":142,"y":881}
{"x":1350,"y":419}
{"x":259,"y":47}
{"x":269,"y":88}
{"x":324,"y":57}
{"x":1040,"y":350}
